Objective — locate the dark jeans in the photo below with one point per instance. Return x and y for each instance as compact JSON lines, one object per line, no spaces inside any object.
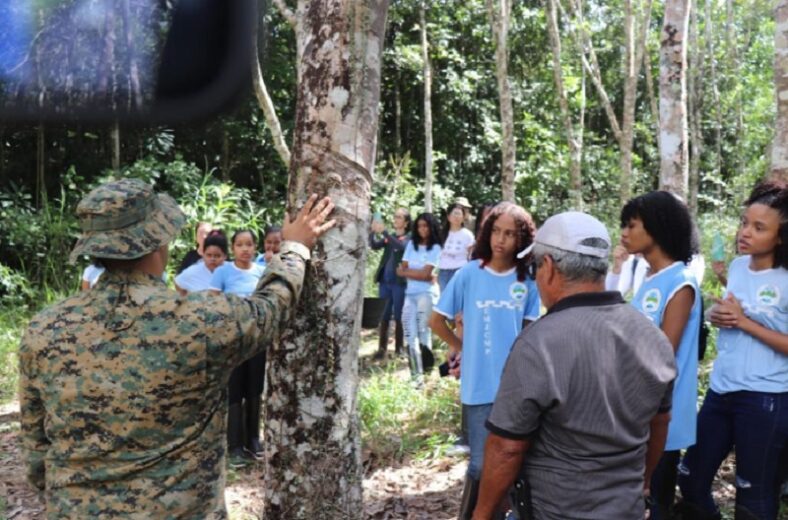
{"x":663,"y":485}
{"x":395,"y":293}
{"x":756,"y":424}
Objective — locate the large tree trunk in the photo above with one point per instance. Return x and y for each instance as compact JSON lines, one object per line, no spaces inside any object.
{"x":575,"y":143}
{"x":425,"y":55}
{"x":674,"y":151}
{"x":499,"y":12}
{"x":313,"y":457}
{"x":779,"y":167}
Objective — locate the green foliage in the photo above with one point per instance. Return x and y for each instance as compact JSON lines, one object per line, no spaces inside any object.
{"x":398,"y":419}
{"x":12,"y":322}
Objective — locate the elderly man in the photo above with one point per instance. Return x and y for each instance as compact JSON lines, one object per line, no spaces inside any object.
{"x":122,"y":390}
{"x":582,"y":411}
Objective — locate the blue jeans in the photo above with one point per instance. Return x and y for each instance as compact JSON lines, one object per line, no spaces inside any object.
{"x":395,"y":293}
{"x":415,"y":321}
{"x":475,"y":417}
{"x":756,"y":424}
{"x":444,"y":275}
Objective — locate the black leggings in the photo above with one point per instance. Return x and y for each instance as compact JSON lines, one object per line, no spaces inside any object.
{"x":247,"y":379}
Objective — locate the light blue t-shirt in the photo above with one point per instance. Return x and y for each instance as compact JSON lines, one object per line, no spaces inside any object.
{"x":231,"y":279}
{"x":651,"y":300}
{"x":743,"y":362}
{"x":260,"y":260}
{"x":493,"y":307}
{"x":417,"y":258}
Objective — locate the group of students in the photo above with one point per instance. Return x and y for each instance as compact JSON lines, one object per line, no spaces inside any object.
{"x":206,"y":268}
{"x":479,"y":307}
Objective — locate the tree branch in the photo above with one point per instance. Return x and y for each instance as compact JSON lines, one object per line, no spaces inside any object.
{"x":269,"y":111}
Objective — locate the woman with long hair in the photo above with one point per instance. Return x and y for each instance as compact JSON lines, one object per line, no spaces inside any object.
{"x":421,"y":292}
{"x":746,"y":405}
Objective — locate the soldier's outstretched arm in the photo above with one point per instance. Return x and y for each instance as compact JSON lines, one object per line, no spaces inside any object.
{"x":34,"y":440}
{"x":279,"y":288}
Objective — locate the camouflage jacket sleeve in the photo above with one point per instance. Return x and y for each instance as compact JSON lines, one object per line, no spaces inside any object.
{"x":257,"y":319}
{"x":31,"y":407}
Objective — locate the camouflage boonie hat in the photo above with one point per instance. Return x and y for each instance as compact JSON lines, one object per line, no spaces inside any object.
{"x":125,"y":220}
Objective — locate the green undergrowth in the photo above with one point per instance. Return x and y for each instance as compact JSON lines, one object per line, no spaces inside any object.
{"x":12,"y":324}
{"x":400,"y":421}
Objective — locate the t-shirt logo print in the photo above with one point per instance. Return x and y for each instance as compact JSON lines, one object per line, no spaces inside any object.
{"x":768,"y":295}
{"x":651,"y":300}
{"x":518,"y":291}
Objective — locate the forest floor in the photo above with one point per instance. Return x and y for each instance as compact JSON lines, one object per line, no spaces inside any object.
{"x":410,"y":486}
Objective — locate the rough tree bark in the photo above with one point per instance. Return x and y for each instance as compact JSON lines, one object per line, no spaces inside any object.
{"x":499,"y":12}
{"x":313,"y":457}
{"x":427,"y":70}
{"x":779,"y":168}
{"x":674,"y":150}
{"x":575,"y":142}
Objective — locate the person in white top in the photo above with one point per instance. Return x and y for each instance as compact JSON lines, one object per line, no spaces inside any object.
{"x":457,"y":245}
{"x":90,"y":276}
{"x":197,"y":277}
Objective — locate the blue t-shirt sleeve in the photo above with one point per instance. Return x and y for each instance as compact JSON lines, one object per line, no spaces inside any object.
{"x":217,"y":279}
{"x":533,"y":303}
{"x":450,"y":303}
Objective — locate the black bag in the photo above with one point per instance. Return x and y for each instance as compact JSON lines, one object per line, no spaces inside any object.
{"x":703,"y":334}
{"x":427,"y":359}
{"x":520,"y":496}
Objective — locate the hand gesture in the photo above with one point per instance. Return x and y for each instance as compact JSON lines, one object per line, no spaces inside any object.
{"x":620,"y":255}
{"x":454,"y":357}
{"x":727,"y":313}
{"x":377,"y":226}
{"x":310,"y":222}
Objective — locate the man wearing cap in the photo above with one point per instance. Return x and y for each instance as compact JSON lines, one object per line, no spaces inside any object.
{"x":122,"y":388}
{"x":581,"y":414}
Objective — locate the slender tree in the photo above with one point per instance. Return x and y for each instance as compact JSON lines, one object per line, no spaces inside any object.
{"x":674,"y":148}
{"x":313,"y":457}
{"x":634,"y":47}
{"x":499,"y":12}
{"x":574,"y":139}
{"x":427,"y":71}
{"x":779,"y":167}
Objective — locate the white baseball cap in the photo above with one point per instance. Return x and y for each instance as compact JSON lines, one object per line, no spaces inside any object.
{"x":567,"y":231}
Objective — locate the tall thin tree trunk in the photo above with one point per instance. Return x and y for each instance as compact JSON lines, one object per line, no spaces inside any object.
{"x":575,"y":145}
{"x":694,"y":105}
{"x":779,"y":168}
{"x":652,"y":98}
{"x":41,"y":186}
{"x":499,"y":12}
{"x":732,"y":52}
{"x":631,"y":67}
{"x":397,"y":115}
{"x":226,"y":160}
{"x":425,"y":55}
{"x":313,"y":456}
{"x":114,"y":137}
{"x":269,"y":111}
{"x":715,"y":91}
{"x":674,"y":149}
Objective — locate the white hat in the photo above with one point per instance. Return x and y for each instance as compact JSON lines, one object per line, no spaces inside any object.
{"x":567,"y":231}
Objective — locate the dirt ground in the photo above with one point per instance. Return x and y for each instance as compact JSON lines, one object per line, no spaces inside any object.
{"x":414,"y":490}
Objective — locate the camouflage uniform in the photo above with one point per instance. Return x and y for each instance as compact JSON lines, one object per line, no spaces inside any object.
{"x":122,"y":390}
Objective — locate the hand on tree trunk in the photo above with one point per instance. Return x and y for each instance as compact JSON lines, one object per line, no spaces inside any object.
{"x":310,"y":222}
